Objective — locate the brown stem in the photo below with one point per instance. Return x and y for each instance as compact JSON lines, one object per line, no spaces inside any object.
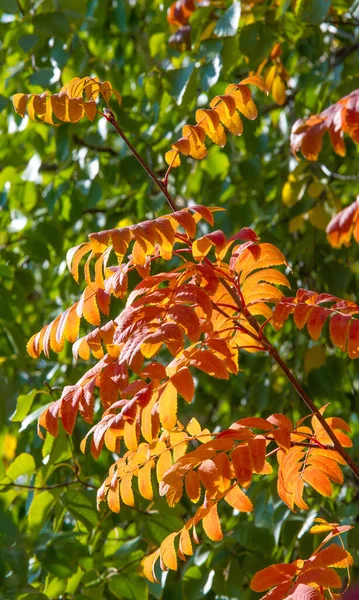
{"x":42,"y":488}
{"x":295,"y":383}
{"x":110,"y":117}
{"x":314,"y":410}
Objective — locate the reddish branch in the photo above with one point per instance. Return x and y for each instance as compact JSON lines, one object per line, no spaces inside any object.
{"x":235,"y":292}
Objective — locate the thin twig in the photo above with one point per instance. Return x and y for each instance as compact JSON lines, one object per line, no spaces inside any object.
{"x":295,"y":383}
{"x":339,"y":176}
{"x":110,"y":117}
{"x":81,"y":142}
{"x":43,"y":488}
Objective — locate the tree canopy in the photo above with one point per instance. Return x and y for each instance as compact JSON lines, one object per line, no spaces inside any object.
{"x":291,"y":170}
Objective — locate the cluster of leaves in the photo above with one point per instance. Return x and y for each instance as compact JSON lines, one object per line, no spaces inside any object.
{"x":295,"y":581}
{"x":224,"y":111}
{"x":344,"y":225}
{"x":53,"y":542}
{"x":214,"y":305}
{"x":276,"y":75}
{"x":69,"y":104}
{"x":339,"y":118}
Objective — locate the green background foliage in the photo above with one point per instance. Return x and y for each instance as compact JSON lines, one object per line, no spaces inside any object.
{"x":59,"y":184}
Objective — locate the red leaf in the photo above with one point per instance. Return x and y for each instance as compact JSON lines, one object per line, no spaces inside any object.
{"x":273,"y":575}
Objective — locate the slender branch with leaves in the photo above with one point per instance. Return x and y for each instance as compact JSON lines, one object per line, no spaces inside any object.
{"x":202,"y":298}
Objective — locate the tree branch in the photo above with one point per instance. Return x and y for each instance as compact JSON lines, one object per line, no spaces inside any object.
{"x":43,"y":488}
{"x":110,"y":117}
{"x":262,"y":339}
{"x":81,"y":142}
{"x":339,"y":176}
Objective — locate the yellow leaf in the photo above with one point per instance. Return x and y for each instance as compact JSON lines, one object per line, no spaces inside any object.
{"x":144,"y":481}
{"x":168,"y":406}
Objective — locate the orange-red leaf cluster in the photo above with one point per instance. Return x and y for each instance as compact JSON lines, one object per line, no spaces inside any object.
{"x":339,"y":118}
{"x":344,"y":225}
{"x":309,"y":308}
{"x":223,"y":113}
{"x":306,"y":579}
{"x":316,"y":465}
{"x":75,"y":100}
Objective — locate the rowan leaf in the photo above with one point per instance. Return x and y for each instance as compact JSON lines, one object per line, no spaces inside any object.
{"x":337,"y":119}
{"x":271,"y":576}
{"x":212,"y":525}
{"x":242,"y":464}
{"x":318,"y":480}
{"x":323,"y":576}
{"x":183,"y":382}
{"x":168,"y":406}
{"x":238,"y":500}
{"x":193,"y":486}
{"x":222,"y":111}
{"x":144,"y":481}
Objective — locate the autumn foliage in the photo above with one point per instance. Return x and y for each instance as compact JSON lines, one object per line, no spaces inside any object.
{"x":214,"y":301}
{"x":223,"y":112}
{"x":339,"y":118}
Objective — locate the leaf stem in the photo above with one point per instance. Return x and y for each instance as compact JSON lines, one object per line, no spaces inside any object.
{"x":293,"y":380}
{"x":110,"y":117}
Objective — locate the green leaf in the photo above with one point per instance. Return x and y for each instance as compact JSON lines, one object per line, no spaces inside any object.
{"x":56,"y":22}
{"x":33,"y":417}
{"x":42,"y":77}
{"x":39,"y":510}
{"x":8,"y":6}
{"x":33,"y":596}
{"x":258,"y":539}
{"x":227,"y":25}
{"x":256,"y":41}
{"x":176,"y":81}
{"x":82,"y":506}
{"x":193,"y":581}
{"x":23,"y":464}
{"x":55,"y":586}
{"x":129,"y":587}
{"x":23,"y":405}
{"x":312,"y":11}
{"x":27,"y":42}
{"x":216,"y":164}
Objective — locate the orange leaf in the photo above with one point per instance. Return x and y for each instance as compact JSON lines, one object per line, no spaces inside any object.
{"x":238,"y":500}
{"x":126,"y":490}
{"x":318,"y":480}
{"x":273,"y":575}
{"x":304,"y":592}
{"x":208,"y":362}
{"x":183,"y":382}
{"x":149,"y":565}
{"x":113,"y":497}
{"x":282,"y":437}
{"x":307,"y":134}
{"x":185,"y":544}
{"x":332,"y":556}
{"x":257,"y":448}
{"x":144,"y":481}
{"x":163,"y":464}
{"x":193,"y":486}
{"x":242,"y":464}
{"x":212,"y":524}
{"x":321,"y":576}
{"x":168,"y":406}
{"x":209,"y":475}
{"x":168,"y":552}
